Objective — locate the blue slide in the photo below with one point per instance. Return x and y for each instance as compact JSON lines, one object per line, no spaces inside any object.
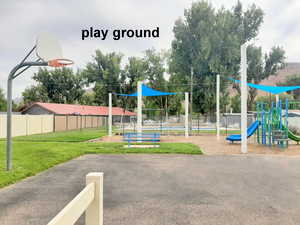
{"x":250,"y":131}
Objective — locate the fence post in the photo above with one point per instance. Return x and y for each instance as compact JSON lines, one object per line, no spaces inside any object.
{"x":67,"y":123}
{"x":77,"y":122}
{"x":94,"y":213}
{"x":54,"y":128}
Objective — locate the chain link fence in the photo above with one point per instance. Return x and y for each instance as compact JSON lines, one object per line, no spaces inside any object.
{"x":175,"y":124}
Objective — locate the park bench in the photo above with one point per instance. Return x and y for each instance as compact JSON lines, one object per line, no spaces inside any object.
{"x":141,"y":138}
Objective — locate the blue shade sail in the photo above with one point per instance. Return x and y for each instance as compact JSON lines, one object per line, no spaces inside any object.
{"x":146,"y":91}
{"x":271,"y":89}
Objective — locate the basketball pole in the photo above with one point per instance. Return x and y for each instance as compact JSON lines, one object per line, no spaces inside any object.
{"x":11,"y":77}
{"x":244,"y":97}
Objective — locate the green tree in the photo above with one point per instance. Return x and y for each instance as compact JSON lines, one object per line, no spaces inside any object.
{"x":207,"y":42}
{"x":260,"y":68}
{"x":58,"y":86}
{"x":35,"y":94}
{"x":155,"y":71}
{"x":104,"y":73}
{"x":293,"y":80}
{"x":133,"y":72}
{"x":3,"y":104}
{"x":235,"y":103}
{"x":88,"y":98}
{"x":268,"y":99}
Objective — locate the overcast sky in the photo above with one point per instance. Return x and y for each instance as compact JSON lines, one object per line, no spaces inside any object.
{"x":21,"y":21}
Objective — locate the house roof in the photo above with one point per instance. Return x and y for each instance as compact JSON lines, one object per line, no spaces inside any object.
{"x":68,"y":109}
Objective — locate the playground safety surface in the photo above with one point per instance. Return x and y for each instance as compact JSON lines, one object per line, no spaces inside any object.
{"x":143,"y":189}
{"x":211,"y":146}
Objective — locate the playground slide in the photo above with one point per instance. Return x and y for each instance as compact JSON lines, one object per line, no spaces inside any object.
{"x":293,"y":137}
{"x":250,"y":131}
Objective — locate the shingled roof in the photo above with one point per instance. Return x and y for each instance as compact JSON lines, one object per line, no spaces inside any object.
{"x":68,"y":109}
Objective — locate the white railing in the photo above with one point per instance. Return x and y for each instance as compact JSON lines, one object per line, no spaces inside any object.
{"x":89,"y":200}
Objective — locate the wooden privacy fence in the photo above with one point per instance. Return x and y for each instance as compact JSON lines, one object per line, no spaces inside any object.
{"x":89,"y":200}
{"x":74,"y":122}
{"x":23,"y":125}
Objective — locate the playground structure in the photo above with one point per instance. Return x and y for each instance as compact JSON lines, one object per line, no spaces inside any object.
{"x":271,"y":125}
{"x":276,"y":90}
{"x":274,"y":127}
{"x":268,"y":125}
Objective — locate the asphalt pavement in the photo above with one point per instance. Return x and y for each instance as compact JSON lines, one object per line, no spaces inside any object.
{"x":142,"y":189}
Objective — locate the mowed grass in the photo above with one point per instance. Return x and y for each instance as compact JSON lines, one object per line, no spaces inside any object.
{"x":36,"y":153}
{"x":65,"y":136}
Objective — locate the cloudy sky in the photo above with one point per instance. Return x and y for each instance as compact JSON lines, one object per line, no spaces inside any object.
{"x":21,"y":21}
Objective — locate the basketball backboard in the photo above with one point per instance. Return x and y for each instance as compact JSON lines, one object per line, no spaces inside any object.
{"x":48,"y":47}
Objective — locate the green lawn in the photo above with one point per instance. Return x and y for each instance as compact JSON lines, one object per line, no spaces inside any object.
{"x":31,"y":155}
{"x":65,"y":136}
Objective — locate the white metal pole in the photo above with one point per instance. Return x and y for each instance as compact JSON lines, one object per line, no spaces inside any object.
{"x":139,"y":107}
{"x":277,"y":99}
{"x":186,"y":124}
{"x":218,"y":107}
{"x":244,"y":97}
{"x":109,"y":115}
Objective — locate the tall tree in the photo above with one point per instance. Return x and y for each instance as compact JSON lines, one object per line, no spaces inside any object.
{"x":58,"y":86}
{"x":3,"y":103}
{"x":35,"y":94}
{"x":293,"y":80}
{"x":133,"y":72}
{"x":260,"y":67}
{"x":208,"y":41}
{"x":155,"y":75}
{"x":104,"y":72}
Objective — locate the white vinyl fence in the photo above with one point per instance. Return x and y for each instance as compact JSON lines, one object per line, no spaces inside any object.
{"x":89,"y":200}
{"x":27,"y":124}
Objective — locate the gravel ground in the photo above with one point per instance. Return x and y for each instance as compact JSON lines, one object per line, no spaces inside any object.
{"x":144,"y":189}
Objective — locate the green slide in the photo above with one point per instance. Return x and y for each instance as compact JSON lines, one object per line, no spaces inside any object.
{"x":293,"y":137}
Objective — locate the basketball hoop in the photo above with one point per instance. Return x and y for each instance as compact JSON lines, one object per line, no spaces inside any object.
{"x":60,"y":62}
{"x":49,"y":53}
{"x":49,"y":50}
